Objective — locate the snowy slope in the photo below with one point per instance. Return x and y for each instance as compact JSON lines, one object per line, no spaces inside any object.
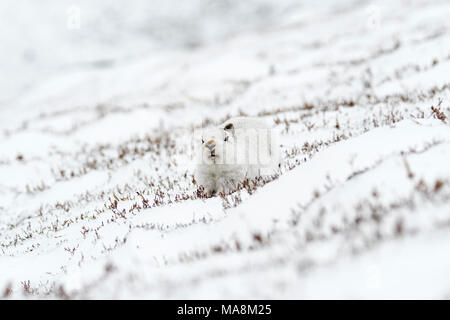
{"x":98,"y":200}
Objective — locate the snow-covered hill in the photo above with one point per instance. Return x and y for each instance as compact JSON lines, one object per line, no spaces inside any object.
{"x":98,"y":199}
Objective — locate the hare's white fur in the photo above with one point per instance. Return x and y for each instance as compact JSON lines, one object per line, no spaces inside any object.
{"x":239,"y":148}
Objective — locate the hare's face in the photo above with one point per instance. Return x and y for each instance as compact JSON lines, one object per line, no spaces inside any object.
{"x":216,"y":146}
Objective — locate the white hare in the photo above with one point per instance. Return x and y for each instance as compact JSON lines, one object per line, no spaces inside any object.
{"x":238,"y":149}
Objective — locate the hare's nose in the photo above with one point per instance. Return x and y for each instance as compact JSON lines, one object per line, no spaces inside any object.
{"x":211,"y":144}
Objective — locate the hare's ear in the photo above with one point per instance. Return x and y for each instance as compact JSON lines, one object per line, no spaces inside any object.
{"x":230,"y":128}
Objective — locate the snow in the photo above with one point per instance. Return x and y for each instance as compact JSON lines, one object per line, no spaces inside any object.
{"x":97,"y":196}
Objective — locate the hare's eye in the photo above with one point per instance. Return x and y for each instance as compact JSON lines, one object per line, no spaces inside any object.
{"x":226,"y":138}
{"x":203,"y":141}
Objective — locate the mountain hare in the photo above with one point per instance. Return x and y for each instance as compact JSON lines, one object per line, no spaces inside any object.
{"x":238,"y":149}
